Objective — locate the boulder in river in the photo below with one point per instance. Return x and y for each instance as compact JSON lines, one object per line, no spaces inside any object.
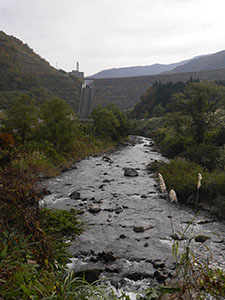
{"x":118,"y":209}
{"x":107,"y":256}
{"x":142,"y":228}
{"x":201,"y":238}
{"x":138,"y":275}
{"x":75,"y":195}
{"x":91,"y":273}
{"x":161,"y":276}
{"x":113,"y":268}
{"x":107,"y":159}
{"x":94,"y":208}
{"x":158,"y":263}
{"x":130,"y":172}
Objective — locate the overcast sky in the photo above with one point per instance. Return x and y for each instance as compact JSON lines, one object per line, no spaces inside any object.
{"x":103,"y":34}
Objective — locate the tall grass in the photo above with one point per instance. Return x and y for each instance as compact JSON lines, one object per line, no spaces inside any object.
{"x":195,"y":276}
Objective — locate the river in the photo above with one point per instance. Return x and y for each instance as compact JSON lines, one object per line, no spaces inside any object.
{"x":129,"y":233}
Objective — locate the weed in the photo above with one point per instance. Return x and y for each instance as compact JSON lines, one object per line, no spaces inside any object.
{"x":194,"y":277}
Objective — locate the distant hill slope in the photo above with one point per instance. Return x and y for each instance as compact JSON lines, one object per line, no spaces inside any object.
{"x":208,"y":62}
{"x":136,"y":71}
{"x":22,"y":70}
{"x":126,"y":92}
{"x":200,"y":63}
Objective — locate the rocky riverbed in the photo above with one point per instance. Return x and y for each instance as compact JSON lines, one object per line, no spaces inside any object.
{"x":129,"y":234}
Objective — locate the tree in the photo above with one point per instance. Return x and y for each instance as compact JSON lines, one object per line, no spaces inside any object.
{"x":105,"y":122}
{"x":199,"y":102}
{"x":22,"y":118}
{"x":124,"y":124}
{"x":58,"y":122}
{"x":158,"y":111}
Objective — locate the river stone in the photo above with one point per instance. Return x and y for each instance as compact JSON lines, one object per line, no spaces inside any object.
{"x":75,"y":195}
{"x":158,"y":264}
{"x":122,"y":236}
{"x":143,"y":196}
{"x":94,"y":258}
{"x":107,"y":256}
{"x":118,"y":209}
{"x":138,"y":275}
{"x":94,"y":208}
{"x":113,"y":268}
{"x":130,"y":172}
{"x":201,"y":238}
{"x":107,"y":159}
{"x":142,"y":228}
{"x":160,"y":276}
{"x":200,"y":222}
{"x":91,"y":273}
{"x":107,"y":180}
{"x":101,"y":186}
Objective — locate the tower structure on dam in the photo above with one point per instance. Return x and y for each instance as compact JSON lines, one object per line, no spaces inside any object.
{"x":86,"y":97}
{"x":87,"y":94}
{"x":76,"y":73}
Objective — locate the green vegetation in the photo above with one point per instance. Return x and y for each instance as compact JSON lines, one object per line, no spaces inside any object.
{"x":46,"y":139}
{"x":190,"y":131}
{"x":187,"y":124}
{"x":111,"y":122}
{"x":40,"y":133}
{"x":196,"y":275}
{"x":49,"y":137}
{"x":23,"y":71}
{"x":156,"y":99}
{"x":126,"y":92}
{"x":32,"y":252}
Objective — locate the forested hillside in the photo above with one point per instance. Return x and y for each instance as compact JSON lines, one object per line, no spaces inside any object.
{"x":22,"y":71}
{"x":160,"y":98}
{"x":126,"y":92}
{"x":187,"y":123}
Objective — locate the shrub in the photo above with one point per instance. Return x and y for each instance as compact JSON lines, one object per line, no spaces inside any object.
{"x":33,"y":253}
{"x":203,"y":154}
{"x":172,"y":145}
{"x":105,"y":123}
{"x":62,"y":223}
{"x":181,"y":176}
{"x":6,"y":140}
{"x":58,"y":125}
{"x":19,"y":197}
{"x":20,"y":274}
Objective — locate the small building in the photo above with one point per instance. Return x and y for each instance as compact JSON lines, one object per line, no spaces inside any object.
{"x":76,"y":73}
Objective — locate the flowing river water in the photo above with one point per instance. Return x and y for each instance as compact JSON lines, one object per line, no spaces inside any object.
{"x":129,"y":222}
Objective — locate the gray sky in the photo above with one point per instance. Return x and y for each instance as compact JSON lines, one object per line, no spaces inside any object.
{"x":103,"y":34}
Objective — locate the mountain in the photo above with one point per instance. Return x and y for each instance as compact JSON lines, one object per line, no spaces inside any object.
{"x":136,"y":71}
{"x":24,"y":71}
{"x":126,"y":92}
{"x":199,"y":63}
{"x":207,"y":62}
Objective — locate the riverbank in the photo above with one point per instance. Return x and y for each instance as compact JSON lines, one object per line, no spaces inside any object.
{"x":129,"y":236}
{"x":33,"y":251}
